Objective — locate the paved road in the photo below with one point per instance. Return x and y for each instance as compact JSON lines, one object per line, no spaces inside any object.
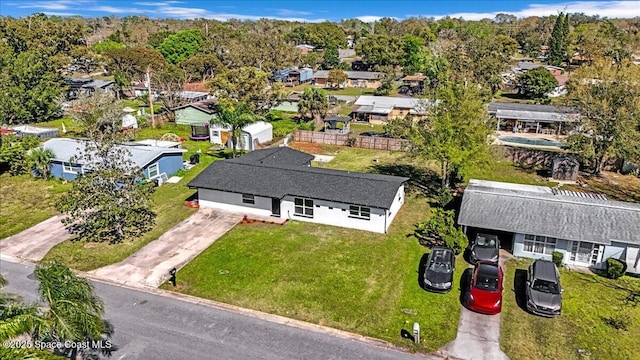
{"x":35,"y":242}
{"x":150,"y":326}
{"x":150,"y":265}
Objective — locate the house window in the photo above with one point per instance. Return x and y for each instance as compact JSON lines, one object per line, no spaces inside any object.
{"x":67,"y":168}
{"x":154,"y":171}
{"x":539,"y":244}
{"x":303,"y":207}
{"x":248,"y":199}
{"x":359,"y":212}
{"x":215,"y":133}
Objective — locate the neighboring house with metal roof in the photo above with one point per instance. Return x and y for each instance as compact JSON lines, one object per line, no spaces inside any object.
{"x":380,"y":109}
{"x":587,"y":228}
{"x":153,"y":161}
{"x":360,"y":79}
{"x":279,"y":182}
{"x":532,"y":118}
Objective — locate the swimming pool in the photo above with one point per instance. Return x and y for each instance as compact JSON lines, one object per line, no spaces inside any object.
{"x":531,"y":141}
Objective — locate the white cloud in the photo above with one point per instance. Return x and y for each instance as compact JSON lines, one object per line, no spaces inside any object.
{"x":116,"y":10}
{"x":289,"y":12}
{"x":609,"y":9}
{"x":50,"y":5}
{"x":369,"y":18}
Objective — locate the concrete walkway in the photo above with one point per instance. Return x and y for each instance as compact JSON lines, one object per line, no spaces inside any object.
{"x":478,"y":336}
{"x":150,"y":265}
{"x":35,"y":242}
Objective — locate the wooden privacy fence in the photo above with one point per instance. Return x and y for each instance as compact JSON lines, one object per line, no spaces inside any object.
{"x":365,"y":142}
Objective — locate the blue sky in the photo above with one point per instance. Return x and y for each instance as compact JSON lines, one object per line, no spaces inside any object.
{"x":315,"y":11}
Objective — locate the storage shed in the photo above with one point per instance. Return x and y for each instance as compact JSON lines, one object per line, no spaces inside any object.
{"x":254,"y":135}
{"x":39,"y":132}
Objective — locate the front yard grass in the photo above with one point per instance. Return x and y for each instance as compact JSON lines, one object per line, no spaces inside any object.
{"x":343,"y":278}
{"x":581,"y":332}
{"x":167,"y":202}
{"x":26,"y":201}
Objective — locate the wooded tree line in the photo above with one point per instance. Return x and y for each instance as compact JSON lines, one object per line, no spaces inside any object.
{"x":37,"y":49}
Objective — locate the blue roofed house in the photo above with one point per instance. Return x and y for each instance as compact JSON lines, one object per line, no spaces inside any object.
{"x":154,"y":161}
{"x":535,"y":221}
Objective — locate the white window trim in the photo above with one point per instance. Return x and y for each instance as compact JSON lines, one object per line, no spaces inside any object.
{"x":360,"y":212}
{"x":248,"y":199}
{"x":536,"y":240}
{"x":304,"y":207}
{"x":157,"y":170}
{"x":68,"y":168}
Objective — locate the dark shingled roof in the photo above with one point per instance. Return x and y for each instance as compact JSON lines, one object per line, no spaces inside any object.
{"x":540,"y":210}
{"x":274,"y":156}
{"x":277,"y":179}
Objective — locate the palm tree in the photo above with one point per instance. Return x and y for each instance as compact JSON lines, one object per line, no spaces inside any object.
{"x":39,"y":161}
{"x":74,"y":312}
{"x":235,"y":117}
{"x":314,"y":101}
{"x":17,"y":321}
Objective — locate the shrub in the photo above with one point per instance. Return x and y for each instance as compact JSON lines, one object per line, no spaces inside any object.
{"x":615,"y":268}
{"x":557,"y":257}
{"x":440,"y":230}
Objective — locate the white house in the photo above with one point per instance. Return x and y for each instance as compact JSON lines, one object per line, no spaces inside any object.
{"x":279,"y":182}
{"x":254,"y":134}
{"x":535,"y":221}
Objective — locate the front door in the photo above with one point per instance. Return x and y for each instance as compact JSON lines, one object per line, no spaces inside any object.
{"x":275,"y":207}
{"x":584,"y":253}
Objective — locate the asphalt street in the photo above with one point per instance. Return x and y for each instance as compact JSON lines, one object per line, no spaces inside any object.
{"x":151,"y":326}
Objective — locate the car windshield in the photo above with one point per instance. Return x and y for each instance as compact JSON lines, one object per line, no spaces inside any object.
{"x":439,"y":265}
{"x":487,"y":282}
{"x":546,"y":287}
{"x":485,"y":242}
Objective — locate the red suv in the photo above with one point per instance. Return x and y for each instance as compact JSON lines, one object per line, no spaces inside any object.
{"x":485,"y":291}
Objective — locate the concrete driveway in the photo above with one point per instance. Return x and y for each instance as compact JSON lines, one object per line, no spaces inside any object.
{"x":478,"y":336}
{"x":35,"y":242}
{"x":150,"y":265}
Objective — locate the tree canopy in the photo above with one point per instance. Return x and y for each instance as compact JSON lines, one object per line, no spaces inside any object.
{"x":179,"y":46}
{"x":536,"y":83}
{"x":606,"y":96}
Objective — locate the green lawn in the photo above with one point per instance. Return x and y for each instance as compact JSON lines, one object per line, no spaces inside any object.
{"x":348,"y":279}
{"x":167,"y":202}
{"x":588,"y":301}
{"x":26,"y":201}
{"x":506,"y":171}
{"x":357,"y":129}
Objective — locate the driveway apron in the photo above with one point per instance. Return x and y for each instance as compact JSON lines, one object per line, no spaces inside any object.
{"x":478,"y":336}
{"x":35,"y":242}
{"x":150,"y":265}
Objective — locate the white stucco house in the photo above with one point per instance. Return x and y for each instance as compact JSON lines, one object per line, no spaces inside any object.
{"x":280,"y":182}
{"x":535,"y":221}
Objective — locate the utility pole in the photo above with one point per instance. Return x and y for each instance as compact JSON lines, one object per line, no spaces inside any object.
{"x":153,"y":120}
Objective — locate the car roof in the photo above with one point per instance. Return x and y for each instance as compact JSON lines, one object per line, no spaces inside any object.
{"x":544,"y":270}
{"x":487,"y":268}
